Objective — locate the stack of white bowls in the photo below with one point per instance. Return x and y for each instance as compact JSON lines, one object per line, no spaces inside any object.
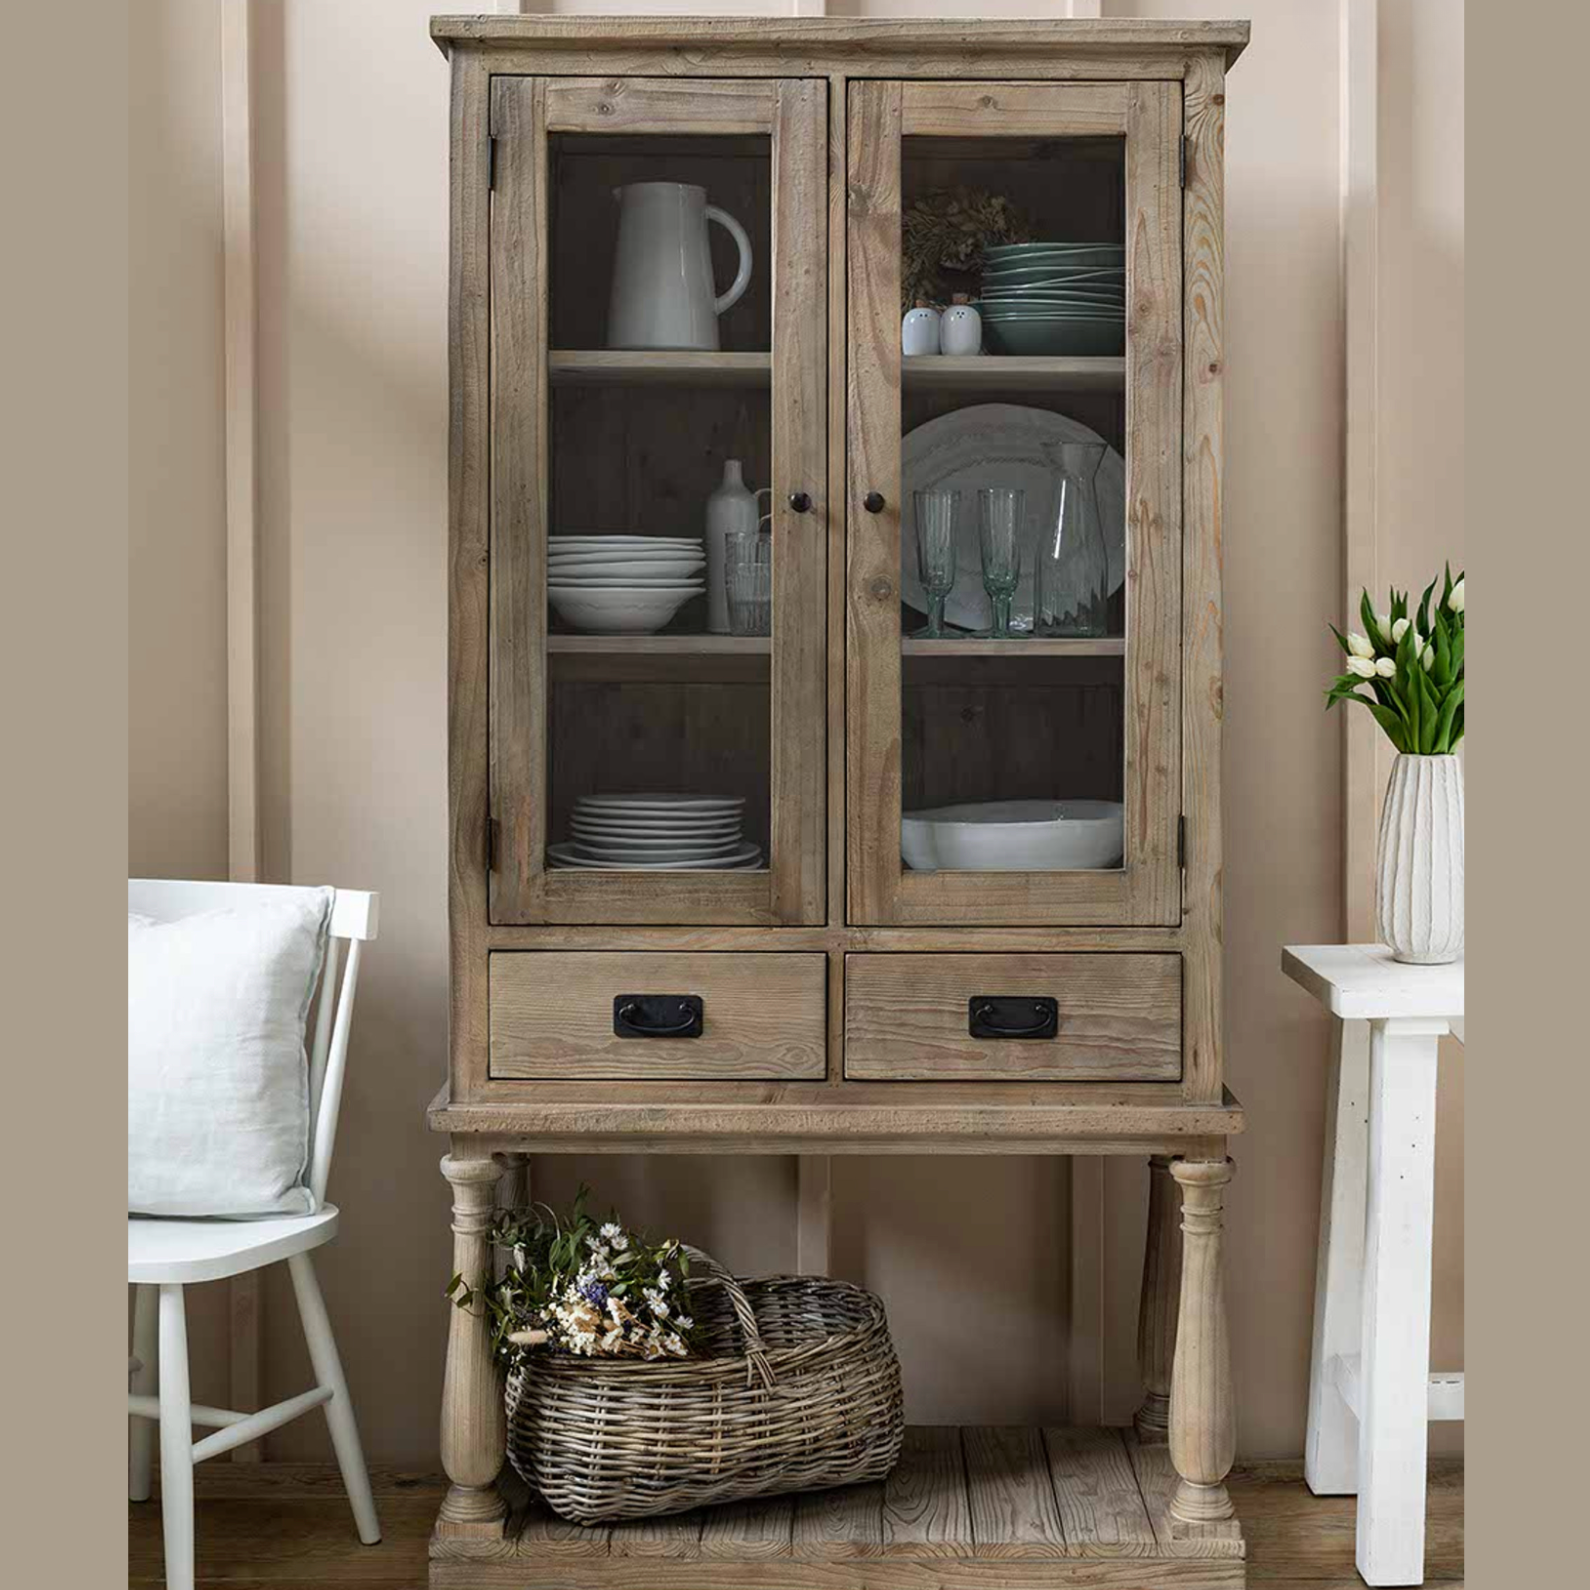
{"x":658,"y":833}
{"x":623,"y":585}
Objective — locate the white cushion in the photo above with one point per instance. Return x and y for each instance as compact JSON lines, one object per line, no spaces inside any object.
{"x":217,"y":1080}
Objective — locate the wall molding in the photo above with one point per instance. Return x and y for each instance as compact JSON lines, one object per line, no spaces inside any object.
{"x":242,"y":572}
{"x":1359,"y":68}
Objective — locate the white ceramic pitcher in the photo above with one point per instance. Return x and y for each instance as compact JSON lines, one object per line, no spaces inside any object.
{"x":663,"y":295}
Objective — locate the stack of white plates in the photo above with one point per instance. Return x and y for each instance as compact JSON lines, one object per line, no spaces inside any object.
{"x":623,"y":585}
{"x":658,"y":833}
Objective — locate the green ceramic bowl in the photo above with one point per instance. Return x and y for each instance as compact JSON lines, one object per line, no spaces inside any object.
{"x":1105,"y":298}
{"x":1057,"y":253}
{"x":1079,"y":338}
{"x":1046,"y":276}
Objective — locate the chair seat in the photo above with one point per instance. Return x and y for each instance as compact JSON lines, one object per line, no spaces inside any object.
{"x":174,"y":1252}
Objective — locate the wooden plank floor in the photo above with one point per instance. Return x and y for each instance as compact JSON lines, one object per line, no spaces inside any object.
{"x":287,"y":1527}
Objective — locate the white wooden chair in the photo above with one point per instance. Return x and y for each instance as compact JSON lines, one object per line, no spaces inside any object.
{"x":163,"y":1256}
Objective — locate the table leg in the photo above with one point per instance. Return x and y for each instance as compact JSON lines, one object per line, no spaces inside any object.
{"x":474,"y":1425}
{"x":1161,"y":1299}
{"x":1330,"y":1463}
{"x":1202,"y":1420}
{"x":1395,"y":1368}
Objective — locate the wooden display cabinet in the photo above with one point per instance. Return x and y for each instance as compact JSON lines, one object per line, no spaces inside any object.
{"x":849,"y":1002}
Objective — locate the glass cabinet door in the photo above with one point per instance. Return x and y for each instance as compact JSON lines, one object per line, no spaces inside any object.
{"x":658,"y":369}
{"x":1014,"y":502}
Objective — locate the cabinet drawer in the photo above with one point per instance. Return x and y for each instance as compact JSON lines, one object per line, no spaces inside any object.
{"x":553,"y":1016}
{"x":1114,"y":1018}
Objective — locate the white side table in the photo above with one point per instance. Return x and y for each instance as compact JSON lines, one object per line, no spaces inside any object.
{"x":1371,"y":1393}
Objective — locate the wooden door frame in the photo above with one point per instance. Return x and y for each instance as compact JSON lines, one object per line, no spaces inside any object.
{"x":793,"y":113}
{"x":1147,"y":891}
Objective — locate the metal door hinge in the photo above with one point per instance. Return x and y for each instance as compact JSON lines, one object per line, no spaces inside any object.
{"x":1183,"y":160}
{"x":1181,"y":842}
{"x":493,"y":841}
{"x":491,"y":164}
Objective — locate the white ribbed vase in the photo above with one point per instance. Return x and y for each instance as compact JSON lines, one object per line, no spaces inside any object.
{"x":1419,"y":873}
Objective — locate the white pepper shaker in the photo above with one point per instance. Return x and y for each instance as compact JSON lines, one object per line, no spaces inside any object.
{"x":961,"y":330}
{"x":919,"y":331}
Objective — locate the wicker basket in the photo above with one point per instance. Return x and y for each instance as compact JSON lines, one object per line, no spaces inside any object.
{"x":795,"y":1388}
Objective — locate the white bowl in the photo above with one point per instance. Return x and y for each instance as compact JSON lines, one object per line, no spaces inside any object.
{"x":625,"y":544}
{"x":1014,"y":836}
{"x":630,"y":582}
{"x":648,"y":568}
{"x":624,"y":611}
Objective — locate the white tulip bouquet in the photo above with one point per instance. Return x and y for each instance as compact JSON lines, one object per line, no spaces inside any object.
{"x":1412,"y":667}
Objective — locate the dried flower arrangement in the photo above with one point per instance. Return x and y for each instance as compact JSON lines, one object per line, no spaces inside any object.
{"x":574,"y":1286}
{"x":943,"y":235}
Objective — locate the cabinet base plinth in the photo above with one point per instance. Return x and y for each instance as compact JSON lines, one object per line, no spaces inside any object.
{"x":968,"y":1508}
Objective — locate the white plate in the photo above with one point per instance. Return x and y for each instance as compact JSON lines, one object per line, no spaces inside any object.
{"x":620,"y":612}
{"x":616,"y":569}
{"x":1014,"y":836}
{"x":647,"y":802}
{"x":585,"y":582}
{"x":666,"y":850}
{"x":999,"y":444}
{"x":628,"y":545}
{"x":746,"y":858}
{"x":667,"y":828}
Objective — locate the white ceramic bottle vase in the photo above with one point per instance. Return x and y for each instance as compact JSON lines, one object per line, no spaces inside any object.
{"x":961,"y":329}
{"x":1419,"y":881}
{"x":733,"y":506}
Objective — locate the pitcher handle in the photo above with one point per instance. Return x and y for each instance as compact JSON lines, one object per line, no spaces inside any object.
{"x":742,"y":277}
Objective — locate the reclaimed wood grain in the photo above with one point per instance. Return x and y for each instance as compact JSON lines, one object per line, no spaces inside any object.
{"x":1203,"y":641}
{"x":1010,"y":1495}
{"x":763,"y":1016}
{"x":1101,"y":1508}
{"x":906,"y":1018}
{"x":926,"y":1512}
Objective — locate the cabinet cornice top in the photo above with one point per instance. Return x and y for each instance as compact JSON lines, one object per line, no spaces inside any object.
{"x":817,"y":35}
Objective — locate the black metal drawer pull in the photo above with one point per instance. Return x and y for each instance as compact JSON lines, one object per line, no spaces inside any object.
{"x":657,"y":1015}
{"x":1012,"y":1016}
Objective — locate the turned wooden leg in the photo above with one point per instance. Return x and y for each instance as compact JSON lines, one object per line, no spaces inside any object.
{"x":1202,"y":1423}
{"x":474,"y":1425}
{"x":1156,"y":1314}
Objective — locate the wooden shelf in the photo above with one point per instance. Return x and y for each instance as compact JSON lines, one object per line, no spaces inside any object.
{"x":604,"y":367}
{"x":997,"y":372}
{"x":1012,"y":1507}
{"x":1033,"y":646}
{"x":661,"y":645}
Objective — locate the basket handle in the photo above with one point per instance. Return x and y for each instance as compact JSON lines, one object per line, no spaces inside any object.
{"x":757,"y":1366}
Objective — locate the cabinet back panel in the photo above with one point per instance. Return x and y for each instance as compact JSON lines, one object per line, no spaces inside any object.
{"x":690,"y":736}
{"x":584,"y":226}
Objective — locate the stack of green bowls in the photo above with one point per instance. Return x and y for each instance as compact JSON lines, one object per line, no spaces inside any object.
{"x":1054,"y":298}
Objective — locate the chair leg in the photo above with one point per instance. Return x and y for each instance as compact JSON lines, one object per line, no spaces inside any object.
{"x":176,"y":1441}
{"x":339,"y":1411}
{"x":141,"y":1432}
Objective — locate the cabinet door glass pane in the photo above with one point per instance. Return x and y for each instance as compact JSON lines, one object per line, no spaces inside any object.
{"x":659,"y":555}
{"x":1014,"y":562}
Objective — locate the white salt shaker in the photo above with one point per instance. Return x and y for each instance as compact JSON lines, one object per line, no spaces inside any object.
{"x":961,"y":329}
{"x":919,"y":331}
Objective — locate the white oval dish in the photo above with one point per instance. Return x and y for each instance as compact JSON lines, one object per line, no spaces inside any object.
{"x":1014,"y":836}
{"x":625,"y":611}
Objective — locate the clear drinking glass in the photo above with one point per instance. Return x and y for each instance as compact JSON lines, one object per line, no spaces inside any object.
{"x":1073,"y":574}
{"x":748,"y":581}
{"x":1001,"y":511}
{"x":938,"y":516}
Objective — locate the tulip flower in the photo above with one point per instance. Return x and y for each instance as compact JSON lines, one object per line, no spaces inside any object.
{"x":1411,"y":657}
